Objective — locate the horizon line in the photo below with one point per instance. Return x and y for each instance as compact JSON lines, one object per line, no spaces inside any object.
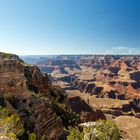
{"x":75,"y":54}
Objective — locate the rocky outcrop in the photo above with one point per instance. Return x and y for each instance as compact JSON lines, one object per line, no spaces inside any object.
{"x":87,"y":113}
{"x":33,"y":93}
{"x":44,"y":120}
{"x":17,"y":78}
{"x":36,"y":81}
{"x":12,"y":76}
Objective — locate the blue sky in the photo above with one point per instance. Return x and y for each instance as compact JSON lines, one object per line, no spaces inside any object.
{"x":70,"y":26}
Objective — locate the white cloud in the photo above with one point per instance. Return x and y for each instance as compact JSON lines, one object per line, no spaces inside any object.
{"x":123,"y":50}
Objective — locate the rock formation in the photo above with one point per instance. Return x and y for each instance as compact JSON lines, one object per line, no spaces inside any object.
{"x":26,"y":83}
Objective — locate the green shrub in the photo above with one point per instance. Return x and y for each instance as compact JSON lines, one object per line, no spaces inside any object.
{"x":10,"y":125}
{"x":12,"y":99}
{"x":53,"y":92}
{"x":12,"y":135}
{"x":102,"y":130}
{"x":3,"y":112}
{"x":44,"y":137}
{"x":7,"y":55}
{"x":32,"y":136}
{"x":75,"y":134}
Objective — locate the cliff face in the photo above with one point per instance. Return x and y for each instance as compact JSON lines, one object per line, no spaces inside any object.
{"x":34,"y":93}
{"x":36,"y":81}
{"x":17,"y":78}
{"x":12,"y":75}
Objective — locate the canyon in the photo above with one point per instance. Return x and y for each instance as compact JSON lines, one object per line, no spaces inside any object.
{"x":34,"y":107}
{"x":109,"y":83}
{"x":61,"y":92}
{"x":109,"y":76}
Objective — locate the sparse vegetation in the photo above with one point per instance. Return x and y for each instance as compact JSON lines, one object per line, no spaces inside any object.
{"x":53,"y":92}
{"x":11,"y":99}
{"x":7,"y":55}
{"x":68,"y":117}
{"x":44,"y":137}
{"x":32,"y":136}
{"x":10,"y":124}
{"x":100,"y":130}
{"x":75,"y":134}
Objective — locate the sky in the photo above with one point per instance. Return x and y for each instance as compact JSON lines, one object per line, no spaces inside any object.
{"x":35,"y":27}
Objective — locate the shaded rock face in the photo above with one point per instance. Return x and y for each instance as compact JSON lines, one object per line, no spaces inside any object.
{"x":89,"y":88}
{"x":79,"y":105}
{"x":135,"y":75}
{"x":87,"y":113}
{"x":36,"y":81}
{"x":136,"y":103}
{"x":44,"y":120}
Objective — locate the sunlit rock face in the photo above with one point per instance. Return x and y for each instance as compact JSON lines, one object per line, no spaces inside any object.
{"x":17,"y":77}
{"x":12,"y":76}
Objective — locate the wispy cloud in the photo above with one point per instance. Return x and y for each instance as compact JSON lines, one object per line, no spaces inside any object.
{"x":122,"y":50}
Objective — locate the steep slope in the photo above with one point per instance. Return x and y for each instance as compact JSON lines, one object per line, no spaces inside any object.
{"x":30,"y":94}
